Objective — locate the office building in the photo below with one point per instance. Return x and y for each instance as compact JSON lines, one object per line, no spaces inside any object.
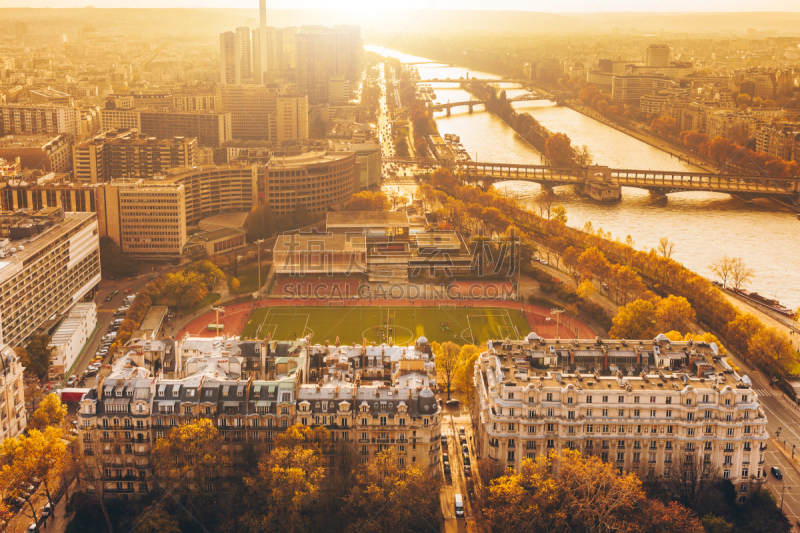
{"x":13,"y":415}
{"x":318,"y":180}
{"x":125,"y":154}
{"x":48,"y":262}
{"x":27,"y":119}
{"x":629,"y":88}
{"x":49,"y":96}
{"x":48,"y":153}
{"x":265,"y":112}
{"x":650,"y":407}
{"x":261,"y":64}
{"x":152,"y":219}
{"x":658,"y":55}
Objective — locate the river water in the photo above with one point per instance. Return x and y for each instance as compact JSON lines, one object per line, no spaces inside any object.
{"x":704,"y":226}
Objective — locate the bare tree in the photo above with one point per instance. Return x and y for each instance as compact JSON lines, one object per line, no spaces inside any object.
{"x":544,"y":204}
{"x":665,"y":247}
{"x":741,"y":274}
{"x":722,"y":269}
{"x":690,"y":475}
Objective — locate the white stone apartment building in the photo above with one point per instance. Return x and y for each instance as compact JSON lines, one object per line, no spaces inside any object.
{"x":646,"y":406}
{"x":13,"y":416}
{"x":71,"y":336}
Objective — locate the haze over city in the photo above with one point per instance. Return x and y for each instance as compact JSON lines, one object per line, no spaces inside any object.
{"x":347,"y":266}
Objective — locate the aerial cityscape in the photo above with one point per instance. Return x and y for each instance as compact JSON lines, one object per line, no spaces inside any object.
{"x":425,"y":267}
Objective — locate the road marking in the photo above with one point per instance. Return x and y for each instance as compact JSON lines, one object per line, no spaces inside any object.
{"x":763,"y":392}
{"x":105,"y":310}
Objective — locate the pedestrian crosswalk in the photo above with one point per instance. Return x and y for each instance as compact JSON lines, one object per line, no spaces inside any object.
{"x":106,"y":310}
{"x":763,"y":392}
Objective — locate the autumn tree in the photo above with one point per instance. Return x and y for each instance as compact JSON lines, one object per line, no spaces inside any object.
{"x":448,"y":360}
{"x":465,"y":374}
{"x":186,"y":464}
{"x":582,"y":156}
{"x":674,"y":313}
{"x":740,"y":330}
{"x":634,"y":321}
{"x":35,"y":356}
{"x":560,"y":214}
{"x":260,"y":223}
{"x":772,"y":351}
{"x":368,"y":201}
{"x":287,"y":480}
{"x":51,"y":412}
{"x":558,"y":149}
{"x":592,"y":264}
{"x":391,"y":497}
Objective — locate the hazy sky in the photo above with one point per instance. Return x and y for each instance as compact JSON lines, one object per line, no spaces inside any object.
{"x":562,"y":6}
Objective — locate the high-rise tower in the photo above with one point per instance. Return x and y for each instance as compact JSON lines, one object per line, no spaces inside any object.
{"x":262,"y":42}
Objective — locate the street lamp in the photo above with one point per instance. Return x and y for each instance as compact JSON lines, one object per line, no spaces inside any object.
{"x":258,"y":247}
{"x":217,"y":310}
{"x":556,"y":312}
{"x":783,"y":489}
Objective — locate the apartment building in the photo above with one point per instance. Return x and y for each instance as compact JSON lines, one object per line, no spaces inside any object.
{"x":649,"y":406}
{"x":378,"y":397}
{"x":70,"y":337}
{"x":152,"y":219}
{"x":658,"y":55}
{"x":125,"y":154}
{"x":375,"y":397}
{"x":247,"y":389}
{"x":45,"y":152}
{"x":13,"y":416}
{"x":318,"y":180}
{"x":208,"y":127}
{"x":782,"y":140}
{"x":725,"y":122}
{"x":29,"y":119}
{"x":48,"y":262}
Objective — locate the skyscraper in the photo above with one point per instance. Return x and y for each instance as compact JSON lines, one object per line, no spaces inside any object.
{"x":230,"y":62}
{"x":262,"y":41}
{"x":243,"y":51}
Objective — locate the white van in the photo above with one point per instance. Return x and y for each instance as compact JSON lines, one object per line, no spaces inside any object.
{"x":459,"y":506}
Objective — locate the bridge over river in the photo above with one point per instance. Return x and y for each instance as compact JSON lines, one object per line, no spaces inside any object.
{"x":604,"y":183}
{"x":472,"y":103}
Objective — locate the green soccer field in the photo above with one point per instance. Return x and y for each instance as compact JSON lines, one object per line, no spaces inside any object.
{"x":379,"y":324}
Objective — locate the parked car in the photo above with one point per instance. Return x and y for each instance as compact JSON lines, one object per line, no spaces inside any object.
{"x":71,"y":380}
{"x":444,"y":440}
{"x":776,"y":472}
{"x":151,"y":277}
{"x":467,"y":469}
{"x":31,"y":527}
{"x":445,"y":457}
{"x":451,"y":403}
{"x":544,"y":262}
{"x":466,"y":461}
{"x":109,"y":297}
{"x":464,"y":449}
{"x":127,"y":291}
{"x":446,"y":468}
{"x":46,"y":511}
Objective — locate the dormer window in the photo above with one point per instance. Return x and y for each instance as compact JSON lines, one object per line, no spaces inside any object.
{"x":175,"y":392}
{"x":119,"y":392}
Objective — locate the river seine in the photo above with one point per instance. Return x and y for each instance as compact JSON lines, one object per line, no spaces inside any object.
{"x":703,"y":226}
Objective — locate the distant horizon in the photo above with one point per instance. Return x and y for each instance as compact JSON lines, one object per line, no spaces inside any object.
{"x":568,"y":7}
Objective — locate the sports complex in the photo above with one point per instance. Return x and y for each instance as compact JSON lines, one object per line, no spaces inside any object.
{"x":397,"y":322}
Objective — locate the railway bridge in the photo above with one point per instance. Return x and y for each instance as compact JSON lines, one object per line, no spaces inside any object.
{"x":604,"y":183}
